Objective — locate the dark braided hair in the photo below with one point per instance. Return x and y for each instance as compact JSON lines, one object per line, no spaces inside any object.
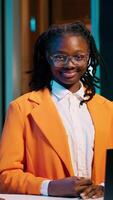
{"x":41,"y":73}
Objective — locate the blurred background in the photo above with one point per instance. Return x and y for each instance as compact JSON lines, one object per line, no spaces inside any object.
{"x":21,"y":21}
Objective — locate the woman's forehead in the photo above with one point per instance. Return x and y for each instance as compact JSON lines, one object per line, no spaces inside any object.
{"x":72,"y":42}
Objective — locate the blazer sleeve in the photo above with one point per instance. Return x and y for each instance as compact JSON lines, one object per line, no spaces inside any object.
{"x":13,"y":179}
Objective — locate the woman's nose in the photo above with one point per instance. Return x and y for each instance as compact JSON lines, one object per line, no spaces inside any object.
{"x":70,"y":63}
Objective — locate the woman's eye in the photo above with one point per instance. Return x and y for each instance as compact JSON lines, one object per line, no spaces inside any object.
{"x":60,"y":58}
{"x":78,"y":57}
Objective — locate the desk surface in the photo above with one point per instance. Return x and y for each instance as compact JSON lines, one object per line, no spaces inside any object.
{"x":34,"y":197}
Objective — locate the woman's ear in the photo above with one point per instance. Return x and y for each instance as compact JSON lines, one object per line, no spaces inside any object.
{"x":48,"y":57}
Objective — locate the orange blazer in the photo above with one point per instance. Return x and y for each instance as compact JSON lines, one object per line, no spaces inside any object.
{"x":34,"y":144}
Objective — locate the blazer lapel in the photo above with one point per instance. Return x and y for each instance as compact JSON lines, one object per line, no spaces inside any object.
{"x":47,"y":118}
{"x":97,"y":110}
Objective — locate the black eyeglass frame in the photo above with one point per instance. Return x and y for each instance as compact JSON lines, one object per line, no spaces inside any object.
{"x":75,"y":59}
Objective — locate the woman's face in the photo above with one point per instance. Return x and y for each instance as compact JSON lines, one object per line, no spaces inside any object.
{"x":68,"y":57}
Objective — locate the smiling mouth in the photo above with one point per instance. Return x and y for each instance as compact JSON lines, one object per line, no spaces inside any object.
{"x":69,"y":74}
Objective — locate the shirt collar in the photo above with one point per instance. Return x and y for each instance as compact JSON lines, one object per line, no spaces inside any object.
{"x":60,"y":92}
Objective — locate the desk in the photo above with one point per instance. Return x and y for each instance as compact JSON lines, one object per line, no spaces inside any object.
{"x":34,"y":197}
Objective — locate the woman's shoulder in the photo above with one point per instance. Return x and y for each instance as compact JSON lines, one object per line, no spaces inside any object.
{"x":22,"y":98}
{"x":102,"y":100}
{"x":31,"y":97}
{"x":26,"y":102}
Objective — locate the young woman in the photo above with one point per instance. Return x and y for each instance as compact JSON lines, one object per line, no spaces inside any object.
{"x":55,"y":137}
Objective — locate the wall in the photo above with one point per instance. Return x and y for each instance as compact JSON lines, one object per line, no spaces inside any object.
{"x":106,"y":47}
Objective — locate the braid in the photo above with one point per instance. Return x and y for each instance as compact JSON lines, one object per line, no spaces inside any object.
{"x":89,"y":79}
{"x":41,"y":73}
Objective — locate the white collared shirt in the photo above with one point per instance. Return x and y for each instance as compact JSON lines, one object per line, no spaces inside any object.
{"x":79,"y":128}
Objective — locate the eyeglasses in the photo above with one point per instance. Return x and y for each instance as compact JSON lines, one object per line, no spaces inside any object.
{"x":60,"y":60}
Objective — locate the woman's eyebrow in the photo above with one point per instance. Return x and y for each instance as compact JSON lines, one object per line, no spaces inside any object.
{"x":60,"y":52}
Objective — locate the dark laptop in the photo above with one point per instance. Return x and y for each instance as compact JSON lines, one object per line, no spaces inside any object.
{"x":108,"y":195}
